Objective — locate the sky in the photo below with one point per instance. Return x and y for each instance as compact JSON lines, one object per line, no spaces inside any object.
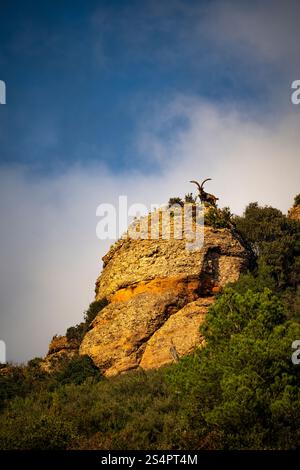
{"x":135,"y":98}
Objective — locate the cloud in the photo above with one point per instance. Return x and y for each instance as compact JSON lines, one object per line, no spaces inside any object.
{"x":50,"y":256}
{"x":250,"y":157}
{"x":268,"y":29}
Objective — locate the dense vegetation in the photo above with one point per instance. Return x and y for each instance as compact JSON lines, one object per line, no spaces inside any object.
{"x":218,"y":218}
{"x":239,"y":392}
{"x":21,"y":381}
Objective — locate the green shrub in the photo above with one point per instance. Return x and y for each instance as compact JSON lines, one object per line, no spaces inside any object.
{"x":22,"y":381}
{"x":12,"y":384}
{"x":76,"y":332}
{"x":297,"y":200}
{"x":218,"y":218}
{"x":75,"y":370}
{"x":93,"y":310}
{"x":190,"y":198}
{"x":133,"y":411}
{"x":28,"y":424}
{"x":241,"y":391}
{"x":275,"y":240}
{"x":175,"y":200}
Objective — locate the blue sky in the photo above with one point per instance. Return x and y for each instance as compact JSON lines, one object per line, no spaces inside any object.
{"x":81,"y":75}
{"x":135,"y":98}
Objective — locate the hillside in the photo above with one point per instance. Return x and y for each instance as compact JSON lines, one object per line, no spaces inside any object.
{"x":135,"y":375}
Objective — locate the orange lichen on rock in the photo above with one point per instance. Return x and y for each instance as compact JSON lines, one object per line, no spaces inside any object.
{"x":179,"y":284}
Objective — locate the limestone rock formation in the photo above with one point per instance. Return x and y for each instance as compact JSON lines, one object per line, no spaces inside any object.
{"x":60,"y":347}
{"x":294,"y":213}
{"x":158,"y":293}
{"x":181,"y":330}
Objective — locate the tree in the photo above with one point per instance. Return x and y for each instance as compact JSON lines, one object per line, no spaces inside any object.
{"x":242,"y":390}
{"x":218,"y":218}
{"x":275,"y":240}
{"x":297,"y":200}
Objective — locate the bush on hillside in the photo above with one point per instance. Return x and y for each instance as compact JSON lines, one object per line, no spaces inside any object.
{"x":174,"y":201}
{"x":189,"y":198}
{"x":242,"y":390}
{"x":218,"y":218}
{"x":275,"y":240}
{"x":297,"y":200}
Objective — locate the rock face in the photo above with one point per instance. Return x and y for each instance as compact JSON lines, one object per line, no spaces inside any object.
{"x":158,"y":293}
{"x":181,"y":331}
{"x":59,"y":347}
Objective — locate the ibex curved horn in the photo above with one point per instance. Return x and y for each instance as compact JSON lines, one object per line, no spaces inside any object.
{"x":196,"y":182}
{"x":207,"y":179}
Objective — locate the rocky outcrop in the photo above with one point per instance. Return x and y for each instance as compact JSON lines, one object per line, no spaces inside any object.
{"x":132,"y":262}
{"x":180,"y":331}
{"x":294,"y":213}
{"x":158,"y":293}
{"x":60,"y":347}
{"x":118,"y":338}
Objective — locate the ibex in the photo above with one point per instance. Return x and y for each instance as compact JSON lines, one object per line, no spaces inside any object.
{"x":203,"y":195}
